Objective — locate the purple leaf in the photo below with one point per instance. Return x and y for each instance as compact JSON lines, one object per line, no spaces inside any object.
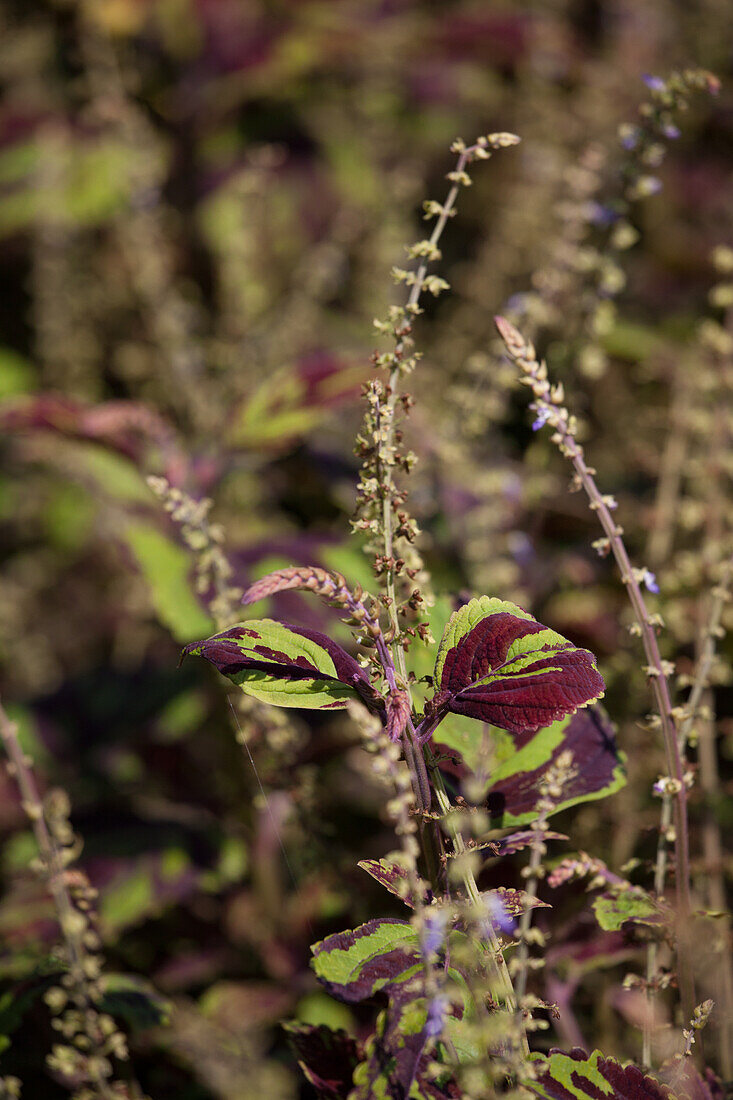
{"x":328,"y":1058}
{"x":688,"y":1083}
{"x":515,"y":842}
{"x":597,"y":770}
{"x":499,"y":665}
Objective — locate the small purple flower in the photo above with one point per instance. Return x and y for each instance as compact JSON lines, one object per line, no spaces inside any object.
{"x":517,"y":303}
{"x":498,"y":914}
{"x":629,"y":136}
{"x":654,"y":83}
{"x":649,"y":579}
{"x":433,"y":932}
{"x":543,"y":415}
{"x":602,"y":215}
{"x":671,"y":131}
{"x":435,"y":1021}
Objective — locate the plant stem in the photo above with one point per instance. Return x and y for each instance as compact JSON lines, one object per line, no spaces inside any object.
{"x":474,"y":895}
{"x":19,"y":768}
{"x":548,"y":402}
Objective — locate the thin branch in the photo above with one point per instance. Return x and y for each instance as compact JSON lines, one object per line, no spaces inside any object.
{"x":548,"y":403}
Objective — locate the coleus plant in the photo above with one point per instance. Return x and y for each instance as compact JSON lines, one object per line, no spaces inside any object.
{"x":494,"y":664}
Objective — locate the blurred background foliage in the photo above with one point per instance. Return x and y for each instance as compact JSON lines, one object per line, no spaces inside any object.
{"x":200,"y":204}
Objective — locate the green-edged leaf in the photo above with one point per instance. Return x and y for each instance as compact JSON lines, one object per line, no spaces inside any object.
{"x":288,"y":666}
{"x":498,"y":664}
{"x":574,"y":1076}
{"x":384,"y":956}
{"x":614,"y":908}
{"x":513,"y":792}
{"x":357,"y":964}
{"x":395,"y":1054}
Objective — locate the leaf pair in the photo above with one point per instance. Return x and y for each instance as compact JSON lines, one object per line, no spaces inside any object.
{"x":495,"y":663}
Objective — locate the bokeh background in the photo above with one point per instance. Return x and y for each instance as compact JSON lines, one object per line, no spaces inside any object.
{"x":200,"y":205}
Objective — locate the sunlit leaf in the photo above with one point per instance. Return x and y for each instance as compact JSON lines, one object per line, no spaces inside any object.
{"x":513,"y":790}
{"x":357,"y":964}
{"x":498,"y":664}
{"x":288,"y":666}
{"x":166,"y":568}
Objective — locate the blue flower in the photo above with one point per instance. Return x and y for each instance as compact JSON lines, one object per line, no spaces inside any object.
{"x":650,"y":580}
{"x":655,"y":83}
{"x":543,"y":415}
{"x":436,"y":1016}
{"x":498,"y":914}
{"x":602,"y":215}
{"x":433,"y":932}
{"x":671,"y":131}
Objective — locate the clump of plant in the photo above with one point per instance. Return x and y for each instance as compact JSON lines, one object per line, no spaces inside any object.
{"x":452,"y":977}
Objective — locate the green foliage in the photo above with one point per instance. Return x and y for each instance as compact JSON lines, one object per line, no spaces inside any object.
{"x":614,"y":909}
{"x":166,"y":568}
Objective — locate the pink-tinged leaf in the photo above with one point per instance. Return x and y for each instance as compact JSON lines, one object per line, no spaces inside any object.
{"x":311,"y":578}
{"x":688,"y":1083}
{"x":499,"y":665}
{"x":121,"y":425}
{"x":288,"y":666}
{"x":575,"y":1076}
{"x":392,"y":878}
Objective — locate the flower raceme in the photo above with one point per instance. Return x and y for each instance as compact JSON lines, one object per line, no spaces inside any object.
{"x":495,"y":663}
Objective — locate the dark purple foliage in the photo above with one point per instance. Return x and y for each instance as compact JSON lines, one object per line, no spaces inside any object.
{"x":589,"y":735}
{"x":328,"y":1058}
{"x":515,"y":695}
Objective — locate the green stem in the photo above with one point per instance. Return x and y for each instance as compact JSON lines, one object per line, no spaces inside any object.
{"x":474,"y":894}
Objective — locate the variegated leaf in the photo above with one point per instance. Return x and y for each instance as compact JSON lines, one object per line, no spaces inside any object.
{"x":288,"y":666}
{"x":514,"y":788}
{"x":574,"y":1076}
{"x":496,"y":663}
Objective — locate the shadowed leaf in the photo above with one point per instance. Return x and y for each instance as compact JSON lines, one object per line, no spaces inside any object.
{"x":688,"y":1083}
{"x":597,"y":768}
{"x":328,"y":1058}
